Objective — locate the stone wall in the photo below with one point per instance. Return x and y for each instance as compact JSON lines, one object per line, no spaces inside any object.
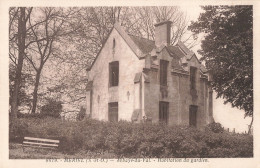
{"x":177,"y":93}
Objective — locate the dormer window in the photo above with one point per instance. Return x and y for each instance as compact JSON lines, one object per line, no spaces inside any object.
{"x":163,"y":72}
{"x":113,"y":73}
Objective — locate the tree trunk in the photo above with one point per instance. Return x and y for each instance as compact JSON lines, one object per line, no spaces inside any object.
{"x":21,"y":47}
{"x":35,"y":92}
{"x":250,"y":126}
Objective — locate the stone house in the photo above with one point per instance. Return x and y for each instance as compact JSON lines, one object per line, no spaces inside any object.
{"x":137,"y":79}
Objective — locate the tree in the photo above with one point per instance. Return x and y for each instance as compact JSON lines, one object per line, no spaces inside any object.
{"x":228,"y":52}
{"x":146,"y":17}
{"x":24,"y":99}
{"x":20,"y":15}
{"x":47,"y":26}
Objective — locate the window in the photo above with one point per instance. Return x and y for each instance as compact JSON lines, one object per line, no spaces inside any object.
{"x":163,"y":112}
{"x":113,"y":112}
{"x":193,"y":116}
{"x":163,"y":72}
{"x":114,"y":73}
{"x":193,"y":71}
{"x":114,"y":44}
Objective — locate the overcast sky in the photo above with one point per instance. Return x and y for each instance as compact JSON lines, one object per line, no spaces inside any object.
{"x":226,"y":115}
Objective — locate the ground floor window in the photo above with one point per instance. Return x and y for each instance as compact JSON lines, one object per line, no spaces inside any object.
{"x":163,"y":112}
{"x":193,"y":115}
{"x":113,"y":112}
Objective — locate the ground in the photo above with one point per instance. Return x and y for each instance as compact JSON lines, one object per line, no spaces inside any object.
{"x":16,"y":152}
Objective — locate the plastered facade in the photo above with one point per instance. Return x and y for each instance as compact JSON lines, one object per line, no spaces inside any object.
{"x":139,"y":90}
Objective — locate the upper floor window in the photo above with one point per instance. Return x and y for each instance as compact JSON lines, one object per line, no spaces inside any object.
{"x":193,"y":71}
{"x":114,"y":73}
{"x":163,"y":72}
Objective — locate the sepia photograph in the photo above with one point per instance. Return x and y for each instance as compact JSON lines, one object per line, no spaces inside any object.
{"x":130,"y":84}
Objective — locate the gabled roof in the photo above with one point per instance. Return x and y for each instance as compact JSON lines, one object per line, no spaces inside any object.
{"x":127,"y":39}
{"x":142,"y":46}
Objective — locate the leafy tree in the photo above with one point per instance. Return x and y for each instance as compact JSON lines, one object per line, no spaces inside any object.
{"x":228,"y":52}
{"x":23,"y":96}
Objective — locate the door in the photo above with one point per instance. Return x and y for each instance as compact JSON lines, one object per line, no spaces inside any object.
{"x":113,"y":112}
{"x":193,"y":116}
{"x":163,"y":112}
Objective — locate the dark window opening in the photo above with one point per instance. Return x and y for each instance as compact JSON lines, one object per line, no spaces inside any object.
{"x":113,"y":112}
{"x":163,"y":112}
{"x":114,"y":73}
{"x":193,"y":116}
{"x":193,"y":71}
{"x":163,"y":72}
{"x":114,"y":43}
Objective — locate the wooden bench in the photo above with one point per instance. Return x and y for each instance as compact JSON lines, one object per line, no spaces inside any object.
{"x":40,"y":143}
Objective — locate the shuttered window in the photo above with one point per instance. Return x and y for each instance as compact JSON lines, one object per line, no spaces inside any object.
{"x":193,"y":116}
{"x":113,"y":112}
{"x":163,"y":112}
{"x":193,"y":71}
{"x":113,"y":73}
{"x":163,"y":72}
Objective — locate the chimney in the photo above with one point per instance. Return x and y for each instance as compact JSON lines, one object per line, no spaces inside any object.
{"x":162,"y":33}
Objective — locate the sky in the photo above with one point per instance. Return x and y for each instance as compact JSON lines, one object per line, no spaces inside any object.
{"x":223,"y":113}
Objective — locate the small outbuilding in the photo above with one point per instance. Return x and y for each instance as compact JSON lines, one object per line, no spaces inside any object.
{"x":136,"y":79}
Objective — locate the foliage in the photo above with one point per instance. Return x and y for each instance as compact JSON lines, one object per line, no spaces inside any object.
{"x":228,"y":52}
{"x":82,"y":114}
{"x":18,"y":129}
{"x":24,"y":97}
{"x":215,"y":127}
{"x":125,"y":139}
{"x":53,"y":108}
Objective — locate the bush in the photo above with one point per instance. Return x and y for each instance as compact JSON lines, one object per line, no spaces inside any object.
{"x":29,"y":115}
{"x":82,"y":113}
{"x":53,"y":108}
{"x":18,"y":130}
{"x":125,"y":139}
{"x":215,"y":127}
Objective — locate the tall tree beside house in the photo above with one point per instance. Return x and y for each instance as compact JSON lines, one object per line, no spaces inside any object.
{"x":228,"y":52}
{"x":47,"y":27}
{"x":18,"y":18}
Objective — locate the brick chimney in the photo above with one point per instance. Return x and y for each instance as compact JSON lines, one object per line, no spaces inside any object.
{"x":162,"y":33}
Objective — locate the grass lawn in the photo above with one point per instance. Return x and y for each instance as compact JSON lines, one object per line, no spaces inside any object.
{"x":16,"y":152}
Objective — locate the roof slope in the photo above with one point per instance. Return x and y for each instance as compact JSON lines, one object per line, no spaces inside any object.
{"x":175,"y":51}
{"x":142,"y":46}
{"x":145,"y":45}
